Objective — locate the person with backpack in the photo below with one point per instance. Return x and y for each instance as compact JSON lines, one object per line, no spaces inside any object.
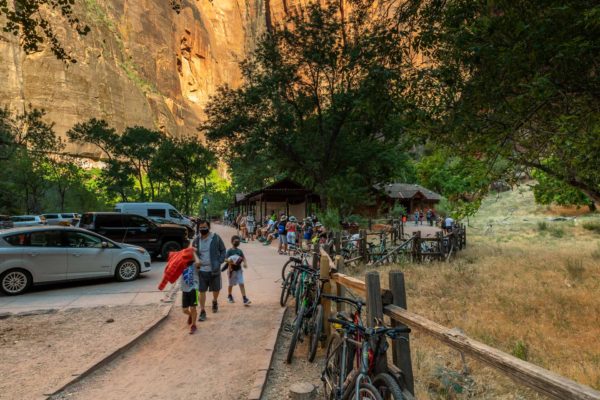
{"x":282,"y":231}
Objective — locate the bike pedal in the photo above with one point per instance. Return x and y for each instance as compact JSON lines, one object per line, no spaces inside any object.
{"x":288,"y":328}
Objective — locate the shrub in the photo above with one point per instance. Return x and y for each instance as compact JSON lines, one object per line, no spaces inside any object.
{"x":330,"y":219}
{"x":542,"y":226}
{"x":575,"y":269}
{"x":557,"y":232}
{"x":593,"y":226}
{"x":520,"y":350}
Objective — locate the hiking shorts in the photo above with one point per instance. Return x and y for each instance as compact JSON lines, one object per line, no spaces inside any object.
{"x":209,"y":282}
{"x":283,"y":238}
{"x":291,"y":237}
{"x":189,"y":299}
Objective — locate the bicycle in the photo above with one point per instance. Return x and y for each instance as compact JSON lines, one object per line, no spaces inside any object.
{"x":290,"y":278}
{"x":368,"y":379}
{"x":309,"y":312}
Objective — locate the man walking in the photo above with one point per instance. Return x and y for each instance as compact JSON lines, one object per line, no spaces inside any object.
{"x":209,"y":255}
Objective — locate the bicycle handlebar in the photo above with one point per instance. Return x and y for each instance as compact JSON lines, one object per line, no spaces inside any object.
{"x":356,"y":303}
{"x":392,"y":333}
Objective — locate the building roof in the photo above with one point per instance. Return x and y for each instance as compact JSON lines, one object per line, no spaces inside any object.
{"x":407,"y":191}
{"x":239,"y":197}
{"x":278,"y":191}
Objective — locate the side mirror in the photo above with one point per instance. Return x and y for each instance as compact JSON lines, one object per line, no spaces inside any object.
{"x":105,"y":245}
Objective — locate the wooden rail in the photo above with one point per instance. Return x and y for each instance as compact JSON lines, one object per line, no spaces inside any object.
{"x":539,"y":379}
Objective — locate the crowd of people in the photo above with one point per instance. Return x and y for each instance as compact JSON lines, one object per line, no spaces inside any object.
{"x":291,"y":232}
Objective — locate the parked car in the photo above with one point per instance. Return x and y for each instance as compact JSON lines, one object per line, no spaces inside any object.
{"x":61,"y":218}
{"x":6,"y":222}
{"x":28,"y":220}
{"x":159,"y":210}
{"x":36,"y":255}
{"x":159,"y":220}
{"x":158,"y":239}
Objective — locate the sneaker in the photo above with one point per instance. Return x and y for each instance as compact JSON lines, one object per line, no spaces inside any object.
{"x":247,"y":301}
{"x":202,"y":316}
{"x":230,"y":299}
{"x":215,"y":307}
{"x":189,"y":320}
{"x":193,"y":329}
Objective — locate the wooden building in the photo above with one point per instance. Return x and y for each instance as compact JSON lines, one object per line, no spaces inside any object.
{"x":411,"y":196}
{"x":284,"y":196}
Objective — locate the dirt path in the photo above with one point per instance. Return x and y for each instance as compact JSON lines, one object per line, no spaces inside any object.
{"x":219,"y":362}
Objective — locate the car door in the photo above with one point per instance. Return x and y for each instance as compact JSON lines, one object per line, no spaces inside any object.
{"x":112,"y":226}
{"x":140,"y":231}
{"x":44,"y":253}
{"x":86,"y":255}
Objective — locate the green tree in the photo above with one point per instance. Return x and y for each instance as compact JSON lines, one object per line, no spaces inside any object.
{"x":116,"y":176}
{"x":138,"y":147}
{"x":548,"y":190}
{"x":183,"y":165}
{"x":511,"y":79}
{"x":322,"y":102}
{"x":29,"y":20}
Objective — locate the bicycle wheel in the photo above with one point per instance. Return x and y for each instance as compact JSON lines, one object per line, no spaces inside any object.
{"x":284,"y":268}
{"x":333,"y":364}
{"x":366,"y":391}
{"x":387,"y":387}
{"x":295,"y":335}
{"x":299,"y":291}
{"x":286,"y":289}
{"x":316,"y":327}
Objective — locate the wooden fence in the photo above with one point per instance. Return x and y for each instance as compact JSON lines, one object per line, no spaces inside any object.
{"x":417,"y":248}
{"x":392,"y":302}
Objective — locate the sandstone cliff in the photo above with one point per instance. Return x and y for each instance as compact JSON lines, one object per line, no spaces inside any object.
{"x":142,"y":63}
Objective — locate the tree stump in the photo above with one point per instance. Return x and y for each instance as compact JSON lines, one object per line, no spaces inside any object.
{"x":302,"y":391}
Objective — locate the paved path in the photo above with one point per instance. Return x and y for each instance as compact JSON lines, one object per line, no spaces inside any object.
{"x":104,"y":292}
{"x":219,"y":362}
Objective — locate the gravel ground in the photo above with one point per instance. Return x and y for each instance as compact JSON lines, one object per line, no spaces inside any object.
{"x":40,"y":351}
{"x":283,"y":375}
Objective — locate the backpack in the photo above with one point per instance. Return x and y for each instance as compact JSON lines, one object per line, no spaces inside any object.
{"x":281,"y":228}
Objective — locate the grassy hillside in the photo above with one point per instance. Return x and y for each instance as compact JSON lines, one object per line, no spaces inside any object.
{"x":526,"y":285}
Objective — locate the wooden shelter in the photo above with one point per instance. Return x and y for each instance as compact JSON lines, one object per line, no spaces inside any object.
{"x":411,"y":196}
{"x":284,"y":196}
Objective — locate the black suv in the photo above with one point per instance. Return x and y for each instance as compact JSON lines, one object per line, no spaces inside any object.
{"x":158,"y":239}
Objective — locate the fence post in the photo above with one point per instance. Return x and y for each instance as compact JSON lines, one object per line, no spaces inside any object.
{"x":340,"y":289}
{"x":324,"y":274}
{"x":401,"y":347}
{"x":440,"y":238}
{"x":316,"y":255}
{"x":465,"y":236}
{"x":337,"y":242}
{"x":374,"y":302}
{"x":363,"y":245}
{"x":370,"y":224}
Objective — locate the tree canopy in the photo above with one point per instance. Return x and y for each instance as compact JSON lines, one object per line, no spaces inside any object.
{"x":322,"y":103}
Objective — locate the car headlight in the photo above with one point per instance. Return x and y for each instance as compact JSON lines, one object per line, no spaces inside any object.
{"x":141,"y":250}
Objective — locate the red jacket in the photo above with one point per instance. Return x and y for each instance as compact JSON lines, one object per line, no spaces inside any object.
{"x":176,"y":263}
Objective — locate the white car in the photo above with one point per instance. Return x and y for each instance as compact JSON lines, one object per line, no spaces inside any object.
{"x":28,"y":220}
{"x":36,"y":255}
{"x":155,"y":210}
{"x":61,"y":218}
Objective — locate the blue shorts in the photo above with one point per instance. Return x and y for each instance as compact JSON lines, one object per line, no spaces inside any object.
{"x":283,"y":239}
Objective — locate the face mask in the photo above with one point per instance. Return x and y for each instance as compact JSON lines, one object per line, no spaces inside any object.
{"x":236,"y":243}
{"x":204,"y":231}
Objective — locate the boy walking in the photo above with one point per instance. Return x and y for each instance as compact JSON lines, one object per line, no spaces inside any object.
{"x":189,"y":295}
{"x":235,"y":260}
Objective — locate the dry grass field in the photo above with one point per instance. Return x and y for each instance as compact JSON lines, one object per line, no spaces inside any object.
{"x":526,"y":284}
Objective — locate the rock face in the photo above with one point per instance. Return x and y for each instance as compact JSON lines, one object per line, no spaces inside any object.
{"x":141,"y":64}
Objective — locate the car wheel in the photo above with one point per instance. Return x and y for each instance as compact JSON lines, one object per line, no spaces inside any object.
{"x":127,"y":270}
{"x":15,"y":281}
{"x":169,"y":247}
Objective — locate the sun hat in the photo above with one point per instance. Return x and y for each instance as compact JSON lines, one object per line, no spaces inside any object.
{"x":293,"y":219}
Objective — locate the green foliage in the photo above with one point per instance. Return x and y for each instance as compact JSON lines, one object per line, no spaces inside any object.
{"x":397,"y":211}
{"x":592,"y":226}
{"x":542,"y":226}
{"x":330,"y":219}
{"x":321,"y":103}
{"x":513,"y":80}
{"x":521,"y":350}
{"x":549,"y":190}
{"x":25,"y":19}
